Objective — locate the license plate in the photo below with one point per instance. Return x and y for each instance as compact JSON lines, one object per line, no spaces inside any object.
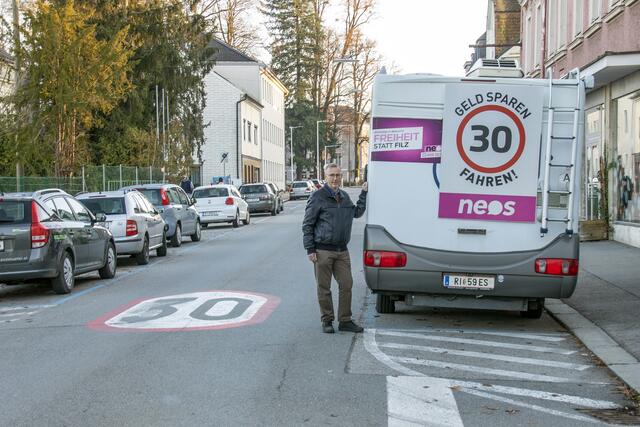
{"x":1,"y":245}
{"x":468,"y":281}
{"x":252,"y":200}
{"x":210,"y":213}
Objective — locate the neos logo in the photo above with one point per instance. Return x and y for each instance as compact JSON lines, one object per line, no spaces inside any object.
{"x":484,"y":207}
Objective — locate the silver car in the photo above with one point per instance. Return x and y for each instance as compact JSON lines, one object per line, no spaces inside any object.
{"x":177,"y":210}
{"x":301,"y":189}
{"x":136,"y":225}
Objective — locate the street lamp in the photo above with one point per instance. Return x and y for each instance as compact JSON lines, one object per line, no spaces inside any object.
{"x":291,"y":128}
{"x":318,"y":147}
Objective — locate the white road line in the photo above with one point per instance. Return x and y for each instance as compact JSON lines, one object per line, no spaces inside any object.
{"x":481,"y":370}
{"x":534,"y":407}
{"x":416,"y":401}
{"x":18,"y":313}
{"x":498,"y":344}
{"x":475,"y":354}
{"x":25,"y":307}
{"x":372,"y":347}
{"x":538,"y":394}
{"x":558,"y":337}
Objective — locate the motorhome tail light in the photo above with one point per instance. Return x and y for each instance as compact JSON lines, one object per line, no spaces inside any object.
{"x":132,"y":228}
{"x":385,"y":259}
{"x":164,"y":197}
{"x":229,"y":201}
{"x":557,"y":266}
{"x":39,"y":233}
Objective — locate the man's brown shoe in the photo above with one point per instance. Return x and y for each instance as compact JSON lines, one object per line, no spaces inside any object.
{"x":349,"y":327}
{"x":327,"y":327}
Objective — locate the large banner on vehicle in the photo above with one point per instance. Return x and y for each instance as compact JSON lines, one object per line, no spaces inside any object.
{"x":406,"y":140}
{"x":490,"y":152}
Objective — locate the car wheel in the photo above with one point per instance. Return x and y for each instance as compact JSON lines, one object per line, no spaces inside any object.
{"x":162,"y":250}
{"x":176,"y":239}
{"x":143,"y":257}
{"x":247,"y":219}
{"x":281,"y":207}
{"x":108,"y":271}
{"x":534,"y":310}
{"x":63,"y":284}
{"x":195,"y":237}
{"x":235,"y":222}
{"x":385,"y":304}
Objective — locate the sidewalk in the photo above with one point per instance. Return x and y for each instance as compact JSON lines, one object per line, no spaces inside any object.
{"x":607,"y":298}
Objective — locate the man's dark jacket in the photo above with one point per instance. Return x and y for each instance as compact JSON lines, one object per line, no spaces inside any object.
{"x":328,"y":219}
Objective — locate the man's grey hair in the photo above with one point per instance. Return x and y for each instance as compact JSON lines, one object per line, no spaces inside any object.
{"x":330,"y":166}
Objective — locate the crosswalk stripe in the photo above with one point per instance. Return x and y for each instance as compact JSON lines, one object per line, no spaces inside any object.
{"x":475,"y":354}
{"x":534,"y":407}
{"x":558,"y":337}
{"x":480,"y":370}
{"x":498,"y":344}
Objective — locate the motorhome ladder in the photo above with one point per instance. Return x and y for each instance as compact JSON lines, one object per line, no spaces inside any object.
{"x":551,"y":138}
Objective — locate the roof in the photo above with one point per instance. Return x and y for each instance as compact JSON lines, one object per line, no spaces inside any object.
{"x":228,"y":53}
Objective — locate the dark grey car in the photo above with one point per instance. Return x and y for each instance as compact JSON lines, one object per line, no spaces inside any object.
{"x":50,"y":235}
{"x":260,"y":198}
{"x":176,"y":208}
{"x":279,"y":195}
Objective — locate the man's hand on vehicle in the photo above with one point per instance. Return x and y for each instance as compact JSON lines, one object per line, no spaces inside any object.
{"x":313,"y":257}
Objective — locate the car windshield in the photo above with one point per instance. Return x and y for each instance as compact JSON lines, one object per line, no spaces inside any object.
{"x":105,"y":205}
{"x":153,"y":194}
{"x":253,"y":189}
{"x":14,"y":212}
{"x":300,"y":185}
{"x":203,"y":193}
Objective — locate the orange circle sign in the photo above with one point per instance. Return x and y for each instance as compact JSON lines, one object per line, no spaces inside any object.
{"x":511,"y":161}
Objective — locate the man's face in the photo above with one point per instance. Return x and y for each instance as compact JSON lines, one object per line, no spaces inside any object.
{"x":333,"y":177}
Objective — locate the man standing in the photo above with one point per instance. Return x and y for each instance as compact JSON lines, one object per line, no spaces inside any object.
{"x":326,"y":232}
{"x":186,"y":185}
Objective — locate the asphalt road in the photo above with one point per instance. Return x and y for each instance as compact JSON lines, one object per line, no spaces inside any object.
{"x":226,"y":332}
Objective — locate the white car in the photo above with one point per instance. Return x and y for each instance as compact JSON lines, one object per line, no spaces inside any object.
{"x":301,"y":189}
{"x":136,"y":225}
{"x":221,"y":203}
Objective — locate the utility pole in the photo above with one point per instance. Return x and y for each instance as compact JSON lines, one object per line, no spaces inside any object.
{"x":16,"y":76}
{"x":291,"y":128}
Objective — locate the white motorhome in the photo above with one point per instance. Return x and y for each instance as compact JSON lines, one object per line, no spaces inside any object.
{"x":474,"y":191}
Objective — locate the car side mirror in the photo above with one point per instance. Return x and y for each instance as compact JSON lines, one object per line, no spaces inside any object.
{"x":100,"y":217}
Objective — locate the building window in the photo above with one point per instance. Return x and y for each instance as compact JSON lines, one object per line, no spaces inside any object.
{"x":244,"y":126}
{"x":627,"y":162}
{"x":594,"y":11}
{"x":249,"y":131}
{"x":255,"y":134}
{"x":578,"y":17}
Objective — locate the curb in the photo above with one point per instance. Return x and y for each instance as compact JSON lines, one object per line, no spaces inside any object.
{"x":623,"y":364}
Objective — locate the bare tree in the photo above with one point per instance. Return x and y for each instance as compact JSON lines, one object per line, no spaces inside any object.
{"x":231,"y":22}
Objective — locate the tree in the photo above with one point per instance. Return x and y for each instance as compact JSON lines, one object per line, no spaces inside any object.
{"x":71,"y":76}
{"x":230,"y":22}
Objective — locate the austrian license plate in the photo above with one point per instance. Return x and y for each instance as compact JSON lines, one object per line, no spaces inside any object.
{"x":252,"y":200}
{"x":210,"y":213}
{"x":468,"y":281}
{"x":1,"y":245}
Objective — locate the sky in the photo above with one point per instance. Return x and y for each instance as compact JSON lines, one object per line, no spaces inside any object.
{"x":428,"y":36}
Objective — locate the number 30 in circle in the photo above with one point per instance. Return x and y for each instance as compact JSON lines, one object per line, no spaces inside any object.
{"x":499,"y":139}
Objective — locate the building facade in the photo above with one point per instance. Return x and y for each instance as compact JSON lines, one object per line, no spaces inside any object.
{"x":600,"y":38}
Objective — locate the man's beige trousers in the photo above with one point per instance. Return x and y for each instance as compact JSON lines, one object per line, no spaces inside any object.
{"x":338,"y":265}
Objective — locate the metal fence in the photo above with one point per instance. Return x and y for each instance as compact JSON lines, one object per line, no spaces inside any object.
{"x":91,"y":178}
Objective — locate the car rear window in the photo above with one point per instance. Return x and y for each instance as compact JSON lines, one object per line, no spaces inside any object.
{"x":203,"y":193}
{"x":300,"y":185}
{"x":252,"y":189}
{"x":106,"y":205}
{"x":15,"y":212}
{"x":153,"y":194}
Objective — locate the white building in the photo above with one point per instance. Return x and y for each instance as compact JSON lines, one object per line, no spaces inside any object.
{"x":245,"y":108}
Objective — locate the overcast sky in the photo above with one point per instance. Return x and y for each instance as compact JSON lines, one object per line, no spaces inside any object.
{"x":431,"y":36}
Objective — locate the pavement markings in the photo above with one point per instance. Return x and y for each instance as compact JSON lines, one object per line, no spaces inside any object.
{"x":420,"y":401}
{"x":489,"y":356}
{"x":498,"y":344}
{"x":421,"y":407}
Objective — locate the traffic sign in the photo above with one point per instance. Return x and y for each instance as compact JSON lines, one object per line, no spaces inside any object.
{"x":190,"y":311}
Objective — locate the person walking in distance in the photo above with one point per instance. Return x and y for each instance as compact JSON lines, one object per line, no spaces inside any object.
{"x":326,"y":230}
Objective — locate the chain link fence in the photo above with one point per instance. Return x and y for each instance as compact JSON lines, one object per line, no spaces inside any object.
{"x":91,"y":178}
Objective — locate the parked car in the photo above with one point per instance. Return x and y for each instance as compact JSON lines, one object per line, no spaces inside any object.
{"x":301,"y":189}
{"x":260,"y":198}
{"x":48,"y":234}
{"x":136,"y":225}
{"x":176,"y":209}
{"x":278,"y":192}
{"x":318,"y":183}
{"x":221,"y":203}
